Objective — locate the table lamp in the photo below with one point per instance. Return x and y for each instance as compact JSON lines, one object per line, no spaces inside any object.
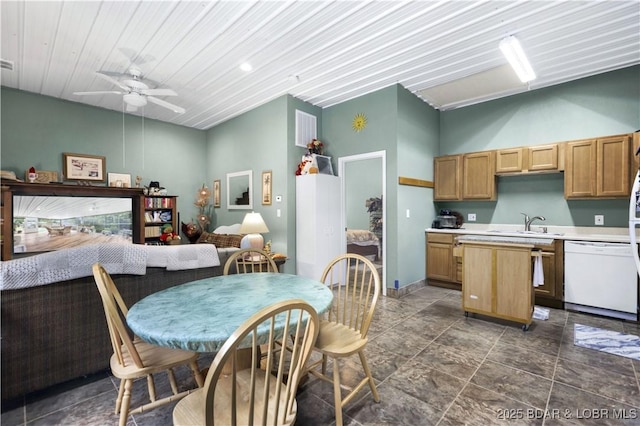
{"x":253,"y":225}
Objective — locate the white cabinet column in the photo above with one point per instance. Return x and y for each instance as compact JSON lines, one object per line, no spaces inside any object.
{"x":317,"y":223}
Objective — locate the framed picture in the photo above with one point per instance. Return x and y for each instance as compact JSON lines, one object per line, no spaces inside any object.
{"x":216,"y":193}
{"x":266,"y":188}
{"x":120,"y":180}
{"x":84,"y":167}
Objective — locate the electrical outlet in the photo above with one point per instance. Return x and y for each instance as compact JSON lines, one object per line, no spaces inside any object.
{"x":471,"y":217}
{"x":599,"y":219}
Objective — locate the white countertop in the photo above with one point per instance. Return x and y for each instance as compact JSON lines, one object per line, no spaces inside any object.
{"x":575,"y":233}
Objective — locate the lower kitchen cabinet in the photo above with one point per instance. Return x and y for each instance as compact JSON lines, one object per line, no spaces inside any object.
{"x":443,"y":266}
{"x":496,"y":281}
{"x":550,"y":293}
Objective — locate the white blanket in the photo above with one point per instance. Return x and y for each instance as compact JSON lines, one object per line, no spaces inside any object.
{"x":77,"y":262}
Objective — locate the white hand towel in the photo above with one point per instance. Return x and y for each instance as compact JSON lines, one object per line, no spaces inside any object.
{"x":538,"y":273}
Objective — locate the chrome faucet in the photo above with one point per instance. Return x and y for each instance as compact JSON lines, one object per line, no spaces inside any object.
{"x":527,"y":221}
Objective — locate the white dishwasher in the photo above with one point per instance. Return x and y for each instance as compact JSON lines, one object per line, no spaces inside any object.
{"x":601,"y":278}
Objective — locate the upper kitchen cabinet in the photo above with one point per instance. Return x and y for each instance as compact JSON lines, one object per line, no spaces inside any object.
{"x":478,"y":177}
{"x":598,"y":168}
{"x":465,"y":177}
{"x":447,"y":178}
{"x":543,"y":158}
{"x":532,"y":159}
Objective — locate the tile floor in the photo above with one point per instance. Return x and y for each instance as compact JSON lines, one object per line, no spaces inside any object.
{"x":433,"y":366}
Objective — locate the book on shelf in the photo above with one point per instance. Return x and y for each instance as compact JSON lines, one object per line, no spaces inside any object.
{"x":158,"y":203}
{"x":152,"y":231}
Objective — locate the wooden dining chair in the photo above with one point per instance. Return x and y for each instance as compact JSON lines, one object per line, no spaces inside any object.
{"x":133,"y":358}
{"x":252,"y":395}
{"x":249,"y":261}
{"x":355,"y":283}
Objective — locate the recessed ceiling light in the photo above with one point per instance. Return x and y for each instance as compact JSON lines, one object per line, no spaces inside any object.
{"x":246,"y":67}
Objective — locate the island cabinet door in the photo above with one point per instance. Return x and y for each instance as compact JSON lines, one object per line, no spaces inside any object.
{"x":477,"y":278}
{"x":514,"y":290}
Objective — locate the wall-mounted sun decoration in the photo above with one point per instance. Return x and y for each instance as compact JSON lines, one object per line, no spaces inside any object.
{"x":359,"y":122}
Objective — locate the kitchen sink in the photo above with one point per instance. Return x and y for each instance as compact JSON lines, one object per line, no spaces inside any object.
{"x":499,"y":231}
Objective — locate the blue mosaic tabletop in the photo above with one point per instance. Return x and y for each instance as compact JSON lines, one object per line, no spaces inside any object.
{"x":201,"y":315}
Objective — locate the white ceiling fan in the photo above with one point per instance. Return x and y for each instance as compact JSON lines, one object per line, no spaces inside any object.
{"x":135,"y":92}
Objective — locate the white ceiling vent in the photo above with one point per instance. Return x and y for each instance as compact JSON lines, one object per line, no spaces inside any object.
{"x":306,"y":128}
{"x":6,"y":65}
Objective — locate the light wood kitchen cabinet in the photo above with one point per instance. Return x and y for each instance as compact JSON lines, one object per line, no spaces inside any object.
{"x":496,"y":281}
{"x":509,"y":160}
{"x":550,"y":293}
{"x":465,"y":177}
{"x":598,"y":168}
{"x":447,"y":178}
{"x":442,"y":267}
{"x":542,"y":158}
{"x":532,"y":159}
{"x":478,"y":176}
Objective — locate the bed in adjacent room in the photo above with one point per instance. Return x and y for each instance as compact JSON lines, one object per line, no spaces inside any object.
{"x":363,"y":242}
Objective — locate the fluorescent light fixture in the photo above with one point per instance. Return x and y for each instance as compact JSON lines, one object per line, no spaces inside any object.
{"x":512,"y":50}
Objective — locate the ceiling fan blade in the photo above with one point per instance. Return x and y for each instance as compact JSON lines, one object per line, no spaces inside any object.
{"x":102,"y":92}
{"x":166,"y":104}
{"x":112,"y":81}
{"x":159,"y":92}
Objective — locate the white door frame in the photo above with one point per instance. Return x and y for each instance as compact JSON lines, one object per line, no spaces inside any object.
{"x":342,"y":161}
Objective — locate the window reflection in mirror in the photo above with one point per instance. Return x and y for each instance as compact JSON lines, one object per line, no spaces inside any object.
{"x":240,"y":190}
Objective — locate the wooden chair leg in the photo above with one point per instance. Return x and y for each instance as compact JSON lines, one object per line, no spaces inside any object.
{"x":337,"y":394}
{"x":172,"y":381}
{"x":126,"y":400}
{"x":372,"y":383}
{"x":197,"y":375}
{"x":152,"y":388}
{"x":119,"y":399}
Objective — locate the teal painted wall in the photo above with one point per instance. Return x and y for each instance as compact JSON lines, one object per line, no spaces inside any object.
{"x":606,"y":104}
{"x":380,"y":133}
{"x":36,"y":130}
{"x":255,"y":141}
{"x":418,"y":135}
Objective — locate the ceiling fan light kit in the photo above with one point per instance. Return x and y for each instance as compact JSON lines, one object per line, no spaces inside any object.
{"x":135,"y":99}
{"x":512,"y":50}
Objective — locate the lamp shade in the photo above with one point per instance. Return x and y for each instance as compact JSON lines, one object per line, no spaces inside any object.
{"x":253,"y":224}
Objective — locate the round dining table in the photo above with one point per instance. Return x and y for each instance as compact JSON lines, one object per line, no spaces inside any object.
{"x":201,"y":315}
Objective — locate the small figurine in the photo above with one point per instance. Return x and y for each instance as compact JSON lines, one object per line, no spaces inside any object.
{"x":32,"y":174}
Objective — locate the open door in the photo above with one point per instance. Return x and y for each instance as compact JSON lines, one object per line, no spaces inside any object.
{"x":362,"y":179}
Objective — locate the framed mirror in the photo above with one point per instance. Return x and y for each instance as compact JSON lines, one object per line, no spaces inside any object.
{"x":240,"y":190}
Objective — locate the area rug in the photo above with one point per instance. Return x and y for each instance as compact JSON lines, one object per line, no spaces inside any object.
{"x":612,"y":342}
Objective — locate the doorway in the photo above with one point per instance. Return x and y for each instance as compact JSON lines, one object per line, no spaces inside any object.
{"x":363,"y":216}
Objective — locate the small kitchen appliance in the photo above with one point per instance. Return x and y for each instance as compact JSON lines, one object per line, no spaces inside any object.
{"x":446,"y":219}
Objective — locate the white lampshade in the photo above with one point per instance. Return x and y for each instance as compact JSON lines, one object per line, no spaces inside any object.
{"x":253,"y":225}
{"x":512,"y":50}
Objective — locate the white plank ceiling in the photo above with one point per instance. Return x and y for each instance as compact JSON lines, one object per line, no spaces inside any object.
{"x":323,"y":52}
